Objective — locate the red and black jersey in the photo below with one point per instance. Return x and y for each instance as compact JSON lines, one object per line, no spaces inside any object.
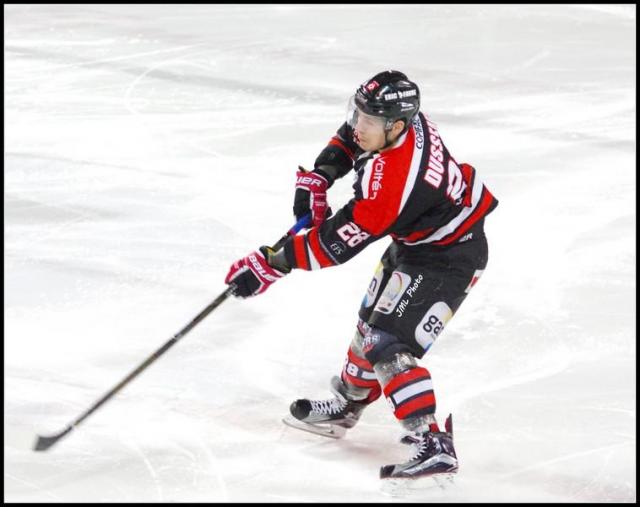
{"x":415,"y":192}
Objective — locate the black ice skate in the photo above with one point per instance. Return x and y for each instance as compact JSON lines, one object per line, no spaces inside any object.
{"x":329,"y":418}
{"x":435,"y":456}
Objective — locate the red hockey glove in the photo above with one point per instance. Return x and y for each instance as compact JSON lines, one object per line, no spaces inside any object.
{"x":252,"y":275}
{"x":311,"y":196}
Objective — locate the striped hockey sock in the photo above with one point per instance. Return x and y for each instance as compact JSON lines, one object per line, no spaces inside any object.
{"x":358,"y":373}
{"x":410,"y":395}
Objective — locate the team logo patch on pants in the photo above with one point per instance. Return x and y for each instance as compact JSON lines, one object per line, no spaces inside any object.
{"x":374,"y":286}
{"x":397,"y":284}
{"x":432,"y":324}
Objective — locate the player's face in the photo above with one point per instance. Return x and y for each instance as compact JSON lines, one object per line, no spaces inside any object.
{"x":369,"y":130}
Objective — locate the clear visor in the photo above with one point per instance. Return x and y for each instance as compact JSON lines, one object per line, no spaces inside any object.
{"x":355,"y":115}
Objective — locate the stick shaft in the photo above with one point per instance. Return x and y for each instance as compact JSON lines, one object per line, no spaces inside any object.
{"x":170,"y":343}
{"x":43,"y":443}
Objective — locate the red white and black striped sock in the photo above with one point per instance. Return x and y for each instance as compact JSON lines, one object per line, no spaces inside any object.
{"x":358,"y":372}
{"x":410,"y":394}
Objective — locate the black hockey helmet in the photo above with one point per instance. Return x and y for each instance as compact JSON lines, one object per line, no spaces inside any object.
{"x":390,"y":95}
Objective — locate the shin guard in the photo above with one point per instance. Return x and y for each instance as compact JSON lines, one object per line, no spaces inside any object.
{"x":409,"y":391}
{"x":358,"y":374}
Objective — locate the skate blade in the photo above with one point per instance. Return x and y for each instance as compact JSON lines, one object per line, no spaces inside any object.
{"x":399,"y":487}
{"x":325,"y":430}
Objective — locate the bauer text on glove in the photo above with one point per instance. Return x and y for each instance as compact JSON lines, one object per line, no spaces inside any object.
{"x":252,"y":275}
{"x":311,"y":196}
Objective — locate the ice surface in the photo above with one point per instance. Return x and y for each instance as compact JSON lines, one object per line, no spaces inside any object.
{"x":146,"y":147}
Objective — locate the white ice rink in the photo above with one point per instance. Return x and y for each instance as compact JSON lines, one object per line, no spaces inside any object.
{"x":148,"y":147}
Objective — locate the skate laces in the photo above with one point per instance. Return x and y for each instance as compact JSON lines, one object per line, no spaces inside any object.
{"x":328,"y":407}
{"x":420,"y":445}
{"x":424,"y":442}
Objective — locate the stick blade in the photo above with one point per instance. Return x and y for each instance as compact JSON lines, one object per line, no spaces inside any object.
{"x":44,"y":443}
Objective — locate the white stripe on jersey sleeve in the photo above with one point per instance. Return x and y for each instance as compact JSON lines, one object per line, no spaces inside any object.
{"x":366,"y":176}
{"x":313,"y":262}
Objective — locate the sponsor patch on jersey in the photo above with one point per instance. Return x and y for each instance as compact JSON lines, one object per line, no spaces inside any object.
{"x":464,"y":238}
{"x":432,"y":324}
{"x":374,"y":287}
{"x":372,"y":175}
{"x":338,"y":247}
{"x":397,"y":284}
{"x":376,"y":178}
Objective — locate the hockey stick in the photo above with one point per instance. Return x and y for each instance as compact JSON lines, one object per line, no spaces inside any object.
{"x":44,"y":443}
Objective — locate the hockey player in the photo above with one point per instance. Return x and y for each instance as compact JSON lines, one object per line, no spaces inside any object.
{"x":408,"y":186}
